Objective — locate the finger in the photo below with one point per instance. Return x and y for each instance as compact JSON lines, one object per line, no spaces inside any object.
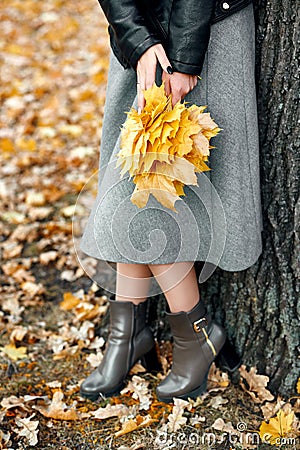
{"x":150,"y":76}
{"x":163,"y":59}
{"x":176,"y":97}
{"x":140,"y":86}
{"x":166,"y":80}
{"x":141,"y":100}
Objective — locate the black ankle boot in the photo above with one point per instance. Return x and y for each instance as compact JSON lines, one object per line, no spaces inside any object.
{"x":197,"y":341}
{"x":130,"y":340}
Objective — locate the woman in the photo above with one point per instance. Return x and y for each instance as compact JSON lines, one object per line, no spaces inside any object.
{"x":176,"y":42}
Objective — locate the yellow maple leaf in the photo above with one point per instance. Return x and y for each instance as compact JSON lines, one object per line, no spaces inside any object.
{"x":69,"y":302}
{"x":14,"y":352}
{"x":277,"y":428}
{"x":163,"y":147}
{"x":298,"y":386}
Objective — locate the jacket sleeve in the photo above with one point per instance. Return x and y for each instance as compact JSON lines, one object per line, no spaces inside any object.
{"x":189,"y":33}
{"x":128,"y":26}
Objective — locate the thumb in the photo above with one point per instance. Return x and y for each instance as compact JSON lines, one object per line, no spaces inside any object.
{"x":163,"y":59}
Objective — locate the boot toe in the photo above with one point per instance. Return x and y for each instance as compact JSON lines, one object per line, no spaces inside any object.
{"x":96,"y":385}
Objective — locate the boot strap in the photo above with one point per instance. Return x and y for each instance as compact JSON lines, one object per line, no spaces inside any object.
{"x":199,"y":325}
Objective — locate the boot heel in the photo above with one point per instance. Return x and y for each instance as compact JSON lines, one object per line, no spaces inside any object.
{"x":151,"y":362}
{"x":227,"y":359}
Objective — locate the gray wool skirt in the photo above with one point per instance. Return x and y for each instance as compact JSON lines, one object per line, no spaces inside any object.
{"x":220,"y":220}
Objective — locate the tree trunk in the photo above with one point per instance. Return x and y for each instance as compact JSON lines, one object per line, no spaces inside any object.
{"x":258,"y":306}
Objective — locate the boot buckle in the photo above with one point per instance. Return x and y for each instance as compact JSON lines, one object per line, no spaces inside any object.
{"x":198,"y":326}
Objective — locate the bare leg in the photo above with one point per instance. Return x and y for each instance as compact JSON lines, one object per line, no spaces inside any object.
{"x":179,"y":283}
{"x":133,"y":282}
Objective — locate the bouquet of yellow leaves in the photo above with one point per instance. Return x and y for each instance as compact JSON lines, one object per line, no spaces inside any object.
{"x":163,"y":147}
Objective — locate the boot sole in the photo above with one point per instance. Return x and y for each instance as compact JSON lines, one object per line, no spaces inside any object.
{"x":95,"y":396}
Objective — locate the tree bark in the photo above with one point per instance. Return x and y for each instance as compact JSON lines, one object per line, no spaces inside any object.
{"x":258,"y":306}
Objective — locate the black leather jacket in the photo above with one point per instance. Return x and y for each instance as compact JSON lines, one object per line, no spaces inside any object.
{"x":181,"y":26}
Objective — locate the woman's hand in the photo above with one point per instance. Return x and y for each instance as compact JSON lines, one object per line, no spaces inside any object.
{"x":178,"y":84}
{"x":146,"y":70}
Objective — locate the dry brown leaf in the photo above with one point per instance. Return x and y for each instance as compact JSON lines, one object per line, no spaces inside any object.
{"x":110,"y":411}
{"x":47,"y":257}
{"x":29,"y":429}
{"x":133,"y":424}
{"x":197,"y":420}
{"x":217,"y":380}
{"x":140,"y":391}
{"x":257,"y":385}
{"x":218,"y":401}
{"x":59,"y":410}
{"x":95,"y":359}
{"x":32,"y":289}
{"x":12,"y":402}
{"x":35,"y":199}
{"x":269,"y":409}
{"x":176,"y":419}
{"x":18,"y":333}
{"x":220,"y":425}
{"x":137,"y":368}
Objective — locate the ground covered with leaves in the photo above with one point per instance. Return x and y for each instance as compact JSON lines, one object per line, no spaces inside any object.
{"x":53,"y":62}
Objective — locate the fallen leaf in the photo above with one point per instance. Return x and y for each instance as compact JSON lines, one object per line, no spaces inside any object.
{"x":12,"y":402}
{"x":134,"y":424}
{"x":54,"y":384}
{"x":271,"y":408}
{"x":110,"y":411}
{"x":69,"y":302}
{"x":29,"y":429}
{"x":59,"y":410}
{"x":32,"y":289}
{"x":197,"y":420}
{"x":137,"y":368}
{"x":277,"y":428}
{"x":176,"y":419}
{"x":220,"y":425}
{"x":257,"y":385}
{"x":140,"y":391}
{"x":218,"y":401}
{"x":47,"y":257}
{"x":35,"y":199}
{"x":14,"y":352}
{"x":217,"y":380}
{"x":18,"y":333}
{"x":95,"y":359}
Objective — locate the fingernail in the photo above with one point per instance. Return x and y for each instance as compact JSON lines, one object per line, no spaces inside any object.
{"x":170,"y":70}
